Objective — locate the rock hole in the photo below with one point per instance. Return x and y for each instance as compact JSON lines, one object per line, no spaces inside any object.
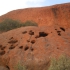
{"x":43,"y":34}
{"x":37,"y":36}
{"x":33,"y":41}
{"x":11,"y":38}
{"x":11,"y":44}
{"x":31,"y":32}
{"x":2,"y":52}
{"x":28,"y":40}
{"x":21,"y":47}
{"x":59,"y":33}
{"x":26,"y":48}
{"x":55,"y":29}
{"x":11,"y":47}
{"x":24,"y":32}
{"x":13,"y":41}
{"x":57,"y":47}
{"x":32,"y":49}
{"x":2,"y":48}
{"x":62,"y":29}
{"x":7,"y":67}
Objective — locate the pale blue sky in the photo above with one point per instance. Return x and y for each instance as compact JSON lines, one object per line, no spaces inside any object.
{"x":9,"y":5}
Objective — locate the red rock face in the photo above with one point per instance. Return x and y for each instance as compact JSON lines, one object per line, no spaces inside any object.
{"x":57,"y":14}
{"x":34,"y":46}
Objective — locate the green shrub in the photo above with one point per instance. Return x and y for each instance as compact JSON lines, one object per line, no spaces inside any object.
{"x":20,"y":66}
{"x":63,"y":63}
{"x":10,"y":24}
{"x":30,"y":23}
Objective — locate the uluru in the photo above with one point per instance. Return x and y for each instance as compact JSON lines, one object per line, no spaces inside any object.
{"x":33,"y":47}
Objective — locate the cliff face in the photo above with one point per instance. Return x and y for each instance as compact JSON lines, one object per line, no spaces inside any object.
{"x":34,"y":46}
{"x":57,"y":14}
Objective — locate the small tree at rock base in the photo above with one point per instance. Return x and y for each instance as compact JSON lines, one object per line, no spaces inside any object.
{"x":20,"y":66}
{"x":62,"y":63}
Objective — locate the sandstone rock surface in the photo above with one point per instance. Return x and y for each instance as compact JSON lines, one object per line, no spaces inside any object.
{"x":3,"y":68}
{"x":34,"y":46}
{"x":44,"y":16}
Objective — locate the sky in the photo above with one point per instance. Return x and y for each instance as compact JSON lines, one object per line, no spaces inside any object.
{"x":9,"y":5}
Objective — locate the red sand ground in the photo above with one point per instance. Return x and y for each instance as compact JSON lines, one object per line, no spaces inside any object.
{"x":34,"y":46}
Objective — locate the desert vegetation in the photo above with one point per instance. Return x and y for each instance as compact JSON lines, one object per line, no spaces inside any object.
{"x":19,"y":66}
{"x":30,"y":23}
{"x":63,"y":63}
{"x":9,"y":24}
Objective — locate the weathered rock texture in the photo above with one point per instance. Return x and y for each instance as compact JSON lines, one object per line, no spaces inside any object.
{"x":3,"y":68}
{"x":34,"y":46}
{"x":57,"y":14}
